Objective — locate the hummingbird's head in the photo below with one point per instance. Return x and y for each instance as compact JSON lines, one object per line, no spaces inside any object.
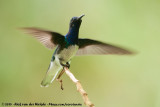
{"x":76,"y":21}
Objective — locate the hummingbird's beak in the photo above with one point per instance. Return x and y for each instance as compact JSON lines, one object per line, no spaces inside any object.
{"x":80,"y":17}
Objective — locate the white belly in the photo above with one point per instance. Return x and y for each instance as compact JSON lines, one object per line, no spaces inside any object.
{"x":69,"y":53}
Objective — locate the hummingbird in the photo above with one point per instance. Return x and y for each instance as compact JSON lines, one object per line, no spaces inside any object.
{"x":69,"y":45}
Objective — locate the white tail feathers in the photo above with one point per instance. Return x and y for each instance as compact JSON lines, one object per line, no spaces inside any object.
{"x":51,"y":74}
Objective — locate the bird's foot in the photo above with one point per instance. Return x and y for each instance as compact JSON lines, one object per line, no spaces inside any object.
{"x":66,"y":65}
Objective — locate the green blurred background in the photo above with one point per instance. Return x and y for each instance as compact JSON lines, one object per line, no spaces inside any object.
{"x":110,"y":81}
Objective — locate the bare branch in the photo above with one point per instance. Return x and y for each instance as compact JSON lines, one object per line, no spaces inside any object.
{"x":58,"y":78}
{"x":87,"y":102}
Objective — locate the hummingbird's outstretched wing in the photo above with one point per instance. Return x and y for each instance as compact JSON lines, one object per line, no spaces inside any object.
{"x":48,"y":38}
{"x":93,"y":47}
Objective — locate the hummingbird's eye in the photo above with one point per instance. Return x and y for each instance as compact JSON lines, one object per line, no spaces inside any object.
{"x":73,"y":19}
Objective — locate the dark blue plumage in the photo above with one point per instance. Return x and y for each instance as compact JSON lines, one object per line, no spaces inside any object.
{"x":69,"y":46}
{"x":72,"y":36}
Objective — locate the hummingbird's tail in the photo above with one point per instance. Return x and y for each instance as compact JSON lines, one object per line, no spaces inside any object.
{"x":51,"y":74}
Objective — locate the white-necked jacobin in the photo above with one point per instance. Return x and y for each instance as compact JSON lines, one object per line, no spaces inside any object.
{"x":69,"y":46}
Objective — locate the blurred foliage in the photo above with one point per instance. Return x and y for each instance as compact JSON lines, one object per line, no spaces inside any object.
{"x":111,"y":81}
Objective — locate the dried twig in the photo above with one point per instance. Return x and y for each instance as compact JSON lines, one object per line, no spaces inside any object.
{"x":87,"y":102}
{"x":58,"y":78}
